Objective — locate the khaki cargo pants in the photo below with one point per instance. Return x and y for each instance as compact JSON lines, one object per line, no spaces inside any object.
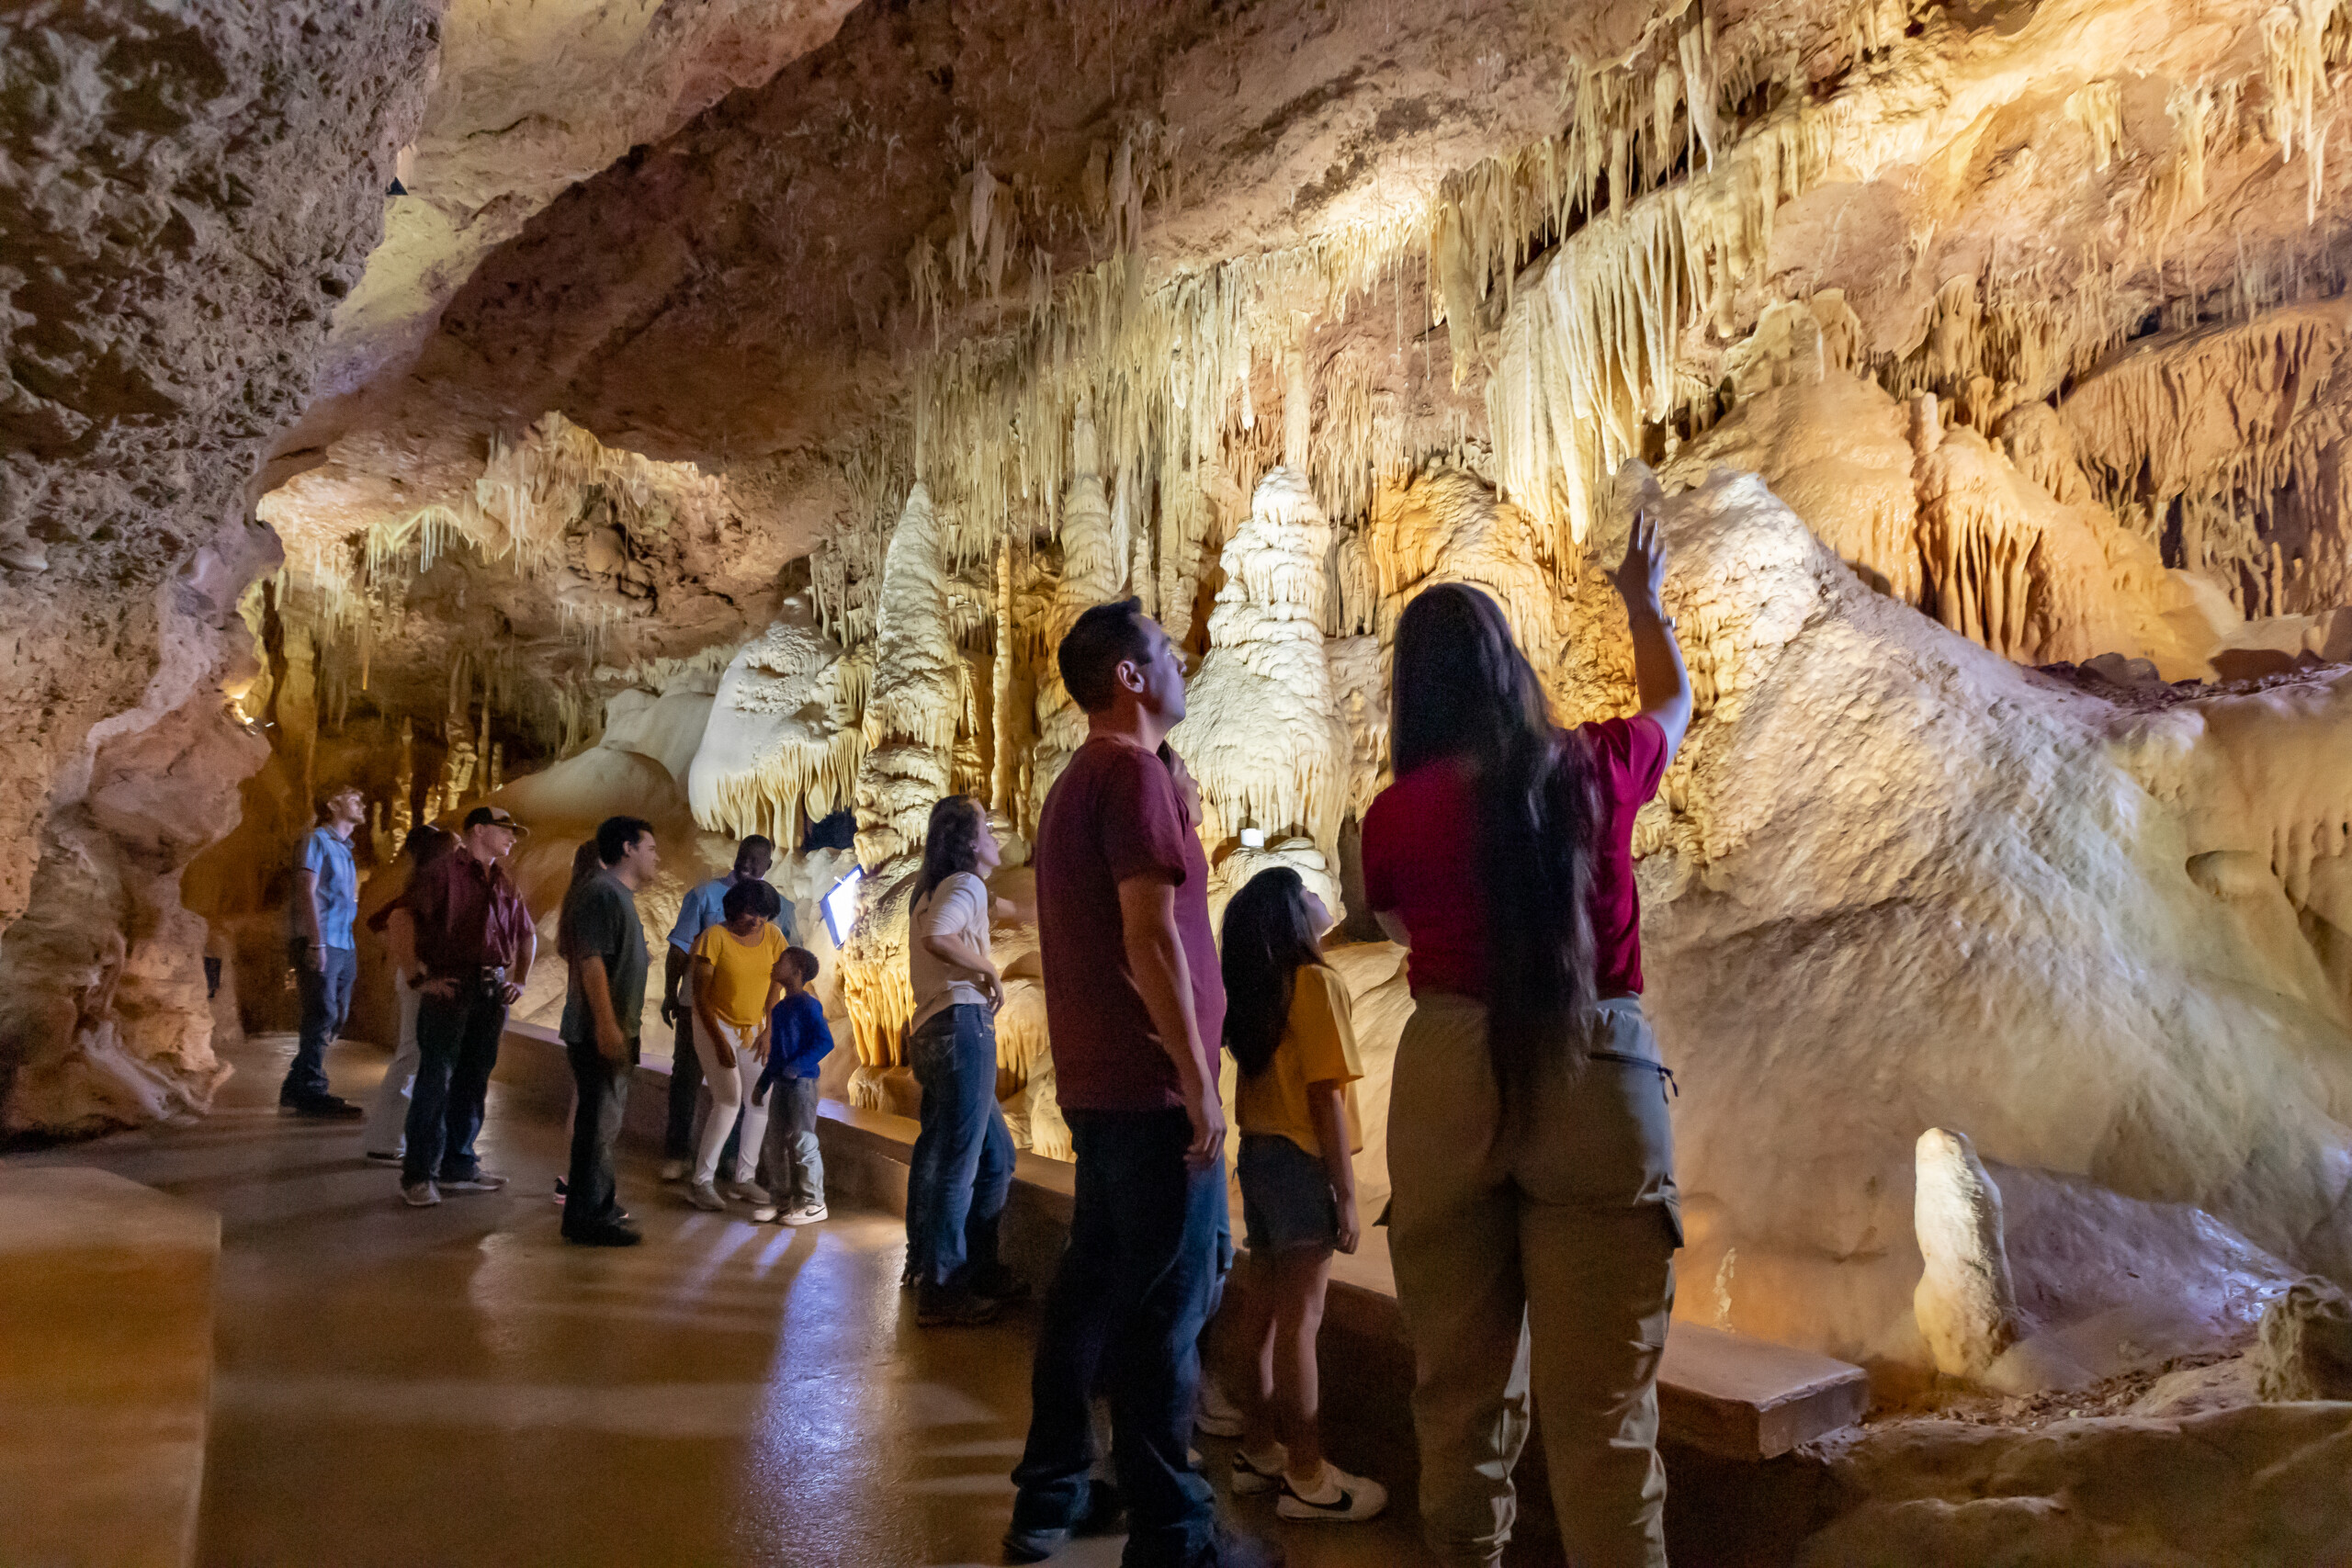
{"x":1542,"y":1265}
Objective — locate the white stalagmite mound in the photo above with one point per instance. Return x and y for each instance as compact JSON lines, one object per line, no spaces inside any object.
{"x":1896,"y":882}
{"x":1966,"y":1308}
{"x":782,"y":743}
{"x":917,"y":694}
{"x":1263,"y":732}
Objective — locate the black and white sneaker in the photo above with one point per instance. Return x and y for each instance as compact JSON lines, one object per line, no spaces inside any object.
{"x":1341,"y":1498}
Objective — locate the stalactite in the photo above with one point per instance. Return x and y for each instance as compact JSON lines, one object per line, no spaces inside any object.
{"x":1007,"y":741}
{"x":782,"y":745}
{"x":2098,"y":109}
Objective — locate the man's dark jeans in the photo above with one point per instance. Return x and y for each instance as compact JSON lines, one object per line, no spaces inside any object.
{"x":1128,"y":1300}
{"x":961,"y":1165}
{"x":457,"y":1049}
{"x":686,"y":1092}
{"x":590,"y":1204}
{"x":326,"y":1002}
{"x":686,"y":1088}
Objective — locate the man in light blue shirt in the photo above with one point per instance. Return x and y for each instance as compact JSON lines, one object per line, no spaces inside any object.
{"x":700,"y":911}
{"x":326,"y":960}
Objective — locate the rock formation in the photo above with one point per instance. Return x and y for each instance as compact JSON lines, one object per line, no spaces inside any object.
{"x":1966,"y":1308}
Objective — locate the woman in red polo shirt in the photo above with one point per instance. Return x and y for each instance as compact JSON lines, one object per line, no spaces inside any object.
{"x":1534,"y":1217}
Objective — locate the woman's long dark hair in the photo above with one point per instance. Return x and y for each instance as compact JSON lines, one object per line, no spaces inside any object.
{"x":1462,"y":691}
{"x":950,"y":844}
{"x":1267,"y":937}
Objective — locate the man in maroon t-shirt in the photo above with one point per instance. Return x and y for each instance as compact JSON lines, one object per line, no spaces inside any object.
{"x":1135,"y":1007}
{"x":475,"y":943}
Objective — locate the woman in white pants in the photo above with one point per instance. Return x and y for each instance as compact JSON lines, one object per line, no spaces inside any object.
{"x":385,"y":1136}
{"x":736,"y":985}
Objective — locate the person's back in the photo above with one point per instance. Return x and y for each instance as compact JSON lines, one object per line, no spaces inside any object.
{"x":1289,"y":1030}
{"x":1530,"y":1145}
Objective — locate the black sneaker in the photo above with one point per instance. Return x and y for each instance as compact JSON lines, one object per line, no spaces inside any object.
{"x":998,"y":1284}
{"x":321,"y":1107}
{"x":379,"y":1157}
{"x":951,"y":1309}
{"x":606,"y":1235}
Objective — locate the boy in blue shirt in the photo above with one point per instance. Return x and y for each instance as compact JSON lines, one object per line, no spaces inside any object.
{"x":798,"y":1040}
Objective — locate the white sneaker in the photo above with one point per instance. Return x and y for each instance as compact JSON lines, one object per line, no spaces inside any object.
{"x":1213,"y":1413}
{"x":703,"y":1195}
{"x":674,"y":1170}
{"x":420,"y":1194}
{"x":763,"y":1213}
{"x":812,"y":1214}
{"x":1341,"y":1498}
{"x":1261,"y":1474}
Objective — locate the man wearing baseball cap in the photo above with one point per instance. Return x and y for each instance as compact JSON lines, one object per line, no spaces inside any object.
{"x":474,"y":943}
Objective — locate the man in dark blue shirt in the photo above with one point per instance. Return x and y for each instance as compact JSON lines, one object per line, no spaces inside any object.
{"x":798,"y":1040}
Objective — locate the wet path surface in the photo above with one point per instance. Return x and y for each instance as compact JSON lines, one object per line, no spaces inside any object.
{"x":454,"y":1385}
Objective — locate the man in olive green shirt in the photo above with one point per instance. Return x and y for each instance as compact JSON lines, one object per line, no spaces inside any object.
{"x":603,"y":944}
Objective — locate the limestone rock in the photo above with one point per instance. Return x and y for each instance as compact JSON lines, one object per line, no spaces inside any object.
{"x":1964,"y":1302}
{"x":2257,"y":1485}
{"x":2306,"y":1344}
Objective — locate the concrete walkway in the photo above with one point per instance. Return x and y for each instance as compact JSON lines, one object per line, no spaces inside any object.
{"x":455,"y":1386}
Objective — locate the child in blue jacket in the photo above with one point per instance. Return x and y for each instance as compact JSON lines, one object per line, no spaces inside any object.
{"x":799,"y":1038}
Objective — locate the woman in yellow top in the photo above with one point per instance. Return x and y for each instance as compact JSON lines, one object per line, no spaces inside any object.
{"x":1286,"y":1024}
{"x":736,"y":986}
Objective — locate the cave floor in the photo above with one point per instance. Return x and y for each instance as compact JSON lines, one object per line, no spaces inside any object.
{"x":454,"y":1385}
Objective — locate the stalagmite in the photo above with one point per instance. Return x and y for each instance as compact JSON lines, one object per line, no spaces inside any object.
{"x":1262,"y":730}
{"x":910,"y":713}
{"x":1965,"y":1304}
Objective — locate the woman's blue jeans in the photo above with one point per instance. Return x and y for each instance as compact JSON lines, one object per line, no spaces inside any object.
{"x":962,"y":1160}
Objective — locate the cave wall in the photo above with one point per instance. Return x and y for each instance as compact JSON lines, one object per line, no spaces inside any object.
{"x":186,"y":193}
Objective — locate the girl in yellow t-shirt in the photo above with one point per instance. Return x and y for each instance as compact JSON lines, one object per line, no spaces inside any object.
{"x":736,"y":985}
{"x":1286,"y":1023}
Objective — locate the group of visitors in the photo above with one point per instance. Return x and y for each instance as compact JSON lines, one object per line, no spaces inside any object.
{"x":754,"y":1035}
{"x":462,"y":943}
{"x":1533,"y":1217}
